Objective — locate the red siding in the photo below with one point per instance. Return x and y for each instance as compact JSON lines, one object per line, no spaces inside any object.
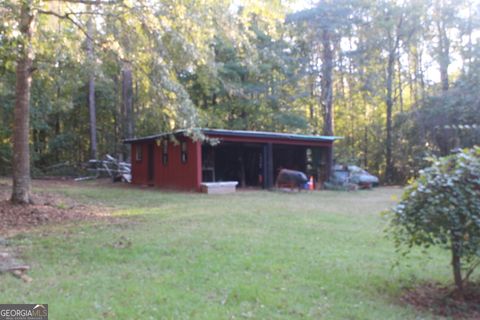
{"x":175,"y":174}
{"x":178,"y":175}
{"x":139,"y":167}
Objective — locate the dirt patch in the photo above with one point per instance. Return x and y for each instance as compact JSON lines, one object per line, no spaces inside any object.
{"x":442,"y":301}
{"x":48,"y":208}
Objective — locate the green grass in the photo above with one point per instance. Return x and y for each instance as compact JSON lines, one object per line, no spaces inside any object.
{"x":259,"y":255}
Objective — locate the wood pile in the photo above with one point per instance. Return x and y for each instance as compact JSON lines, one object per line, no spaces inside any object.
{"x":114,"y":168}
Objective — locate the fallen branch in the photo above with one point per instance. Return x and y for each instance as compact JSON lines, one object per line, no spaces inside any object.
{"x":21,"y":268}
{"x":21,"y":275}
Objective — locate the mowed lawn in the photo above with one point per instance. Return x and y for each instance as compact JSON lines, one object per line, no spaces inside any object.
{"x":253,"y":254}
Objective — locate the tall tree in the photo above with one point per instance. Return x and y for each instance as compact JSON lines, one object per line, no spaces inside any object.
{"x":395,"y":24}
{"x":394,"y":32}
{"x":443,"y":19}
{"x":127,"y":101}
{"x":21,"y":152}
{"x":328,"y":22}
{"x":326,"y":83}
{"x":92,"y":110}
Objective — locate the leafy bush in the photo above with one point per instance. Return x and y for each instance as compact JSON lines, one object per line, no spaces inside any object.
{"x":442,"y":208}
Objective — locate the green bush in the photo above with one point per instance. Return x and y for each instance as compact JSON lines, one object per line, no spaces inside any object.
{"x":442,"y":208}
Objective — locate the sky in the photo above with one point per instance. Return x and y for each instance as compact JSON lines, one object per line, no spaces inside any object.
{"x":299,"y":5}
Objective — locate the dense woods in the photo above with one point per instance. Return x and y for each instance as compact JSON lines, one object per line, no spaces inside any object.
{"x":397,"y":79}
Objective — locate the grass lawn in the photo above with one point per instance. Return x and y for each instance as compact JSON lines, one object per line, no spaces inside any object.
{"x":253,"y":254}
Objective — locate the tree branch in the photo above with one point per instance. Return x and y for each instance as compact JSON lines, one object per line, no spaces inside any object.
{"x":81,"y":13}
{"x":88,"y":2}
{"x":68,"y":16}
{"x":470,"y":271}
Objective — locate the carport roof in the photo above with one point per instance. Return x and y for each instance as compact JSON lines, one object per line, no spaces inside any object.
{"x":238,"y":133}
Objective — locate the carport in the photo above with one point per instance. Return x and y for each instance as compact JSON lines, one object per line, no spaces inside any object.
{"x":254,"y":158}
{"x":180,"y":160}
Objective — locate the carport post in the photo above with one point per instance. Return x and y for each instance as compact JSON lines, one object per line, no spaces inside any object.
{"x":268,"y":166}
{"x":329,"y":162}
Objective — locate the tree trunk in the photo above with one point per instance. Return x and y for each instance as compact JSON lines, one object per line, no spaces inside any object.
{"x":392,"y":53}
{"x":457,"y":266}
{"x":365,"y":147}
{"x":443,"y":45}
{"x":444,"y":61}
{"x":127,"y":101}
{"x":470,"y":28}
{"x":412,"y":84}
{"x":420,"y":75}
{"x":389,"y":104}
{"x":21,"y":151}
{"x":214,"y":99}
{"x":326,"y":98}
{"x":91,"y":92}
{"x":400,"y":88}
{"x":311,"y":107}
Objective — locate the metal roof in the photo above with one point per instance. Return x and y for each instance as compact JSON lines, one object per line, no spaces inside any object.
{"x":269,"y":135}
{"x":239,"y":133}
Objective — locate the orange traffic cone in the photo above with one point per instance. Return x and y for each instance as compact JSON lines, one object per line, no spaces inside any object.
{"x":311,"y":185}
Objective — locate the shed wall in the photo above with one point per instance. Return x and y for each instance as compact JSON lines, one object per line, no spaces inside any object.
{"x":139,"y":167}
{"x":178,"y":175}
{"x":174,"y":174}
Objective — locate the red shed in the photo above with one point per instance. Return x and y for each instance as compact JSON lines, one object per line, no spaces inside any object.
{"x":182,"y":160}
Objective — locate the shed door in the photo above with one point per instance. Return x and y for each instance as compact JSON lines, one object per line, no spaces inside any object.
{"x":151,"y":163}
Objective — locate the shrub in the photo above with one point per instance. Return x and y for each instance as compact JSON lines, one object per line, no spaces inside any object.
{"x":442,"y":208}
